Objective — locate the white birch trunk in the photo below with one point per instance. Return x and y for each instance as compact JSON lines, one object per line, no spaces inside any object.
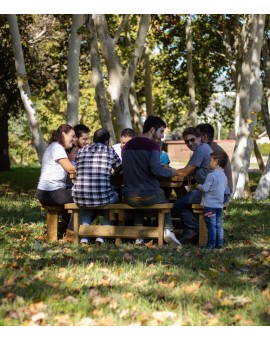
{"x":242,"y":110}
{"x":73,"y":79}
{"x":119,"y":84}
{"x":254,"y":100}
{"x":263,"y":188}
{"x":191,"y":84}
{"x":100,"y":92}
{"x":24,"y":88}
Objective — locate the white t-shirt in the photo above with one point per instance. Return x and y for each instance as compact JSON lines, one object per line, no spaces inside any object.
{"x":118,"y":149}
{"x":53,"y":176}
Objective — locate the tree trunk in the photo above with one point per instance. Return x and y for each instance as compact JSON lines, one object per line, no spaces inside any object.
{"x":73,"y":79}
{"x":135,"y":110}
{"x":100,"y":92}
{"x":262,"y":190}
{"x":119,"y":84}
{"x":239,"y":160}
{"x":191,"y":84}
{"x":255,"y":97}
{"x":148,"y":83}
{"x":4,"y":146}
{"x":24,"y":88}
{"x":258,"y":156}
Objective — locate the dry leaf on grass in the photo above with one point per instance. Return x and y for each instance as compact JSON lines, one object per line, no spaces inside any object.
{"x":163,"y":316}
{"x":193,"y":288}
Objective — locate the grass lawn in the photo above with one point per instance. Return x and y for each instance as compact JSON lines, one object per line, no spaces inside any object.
{"x":52,"y":283}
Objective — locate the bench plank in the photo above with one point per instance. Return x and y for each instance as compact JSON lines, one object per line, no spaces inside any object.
{"x":117,"y":211}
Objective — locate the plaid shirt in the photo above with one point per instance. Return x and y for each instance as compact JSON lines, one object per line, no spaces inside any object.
{"x":94,"y":165}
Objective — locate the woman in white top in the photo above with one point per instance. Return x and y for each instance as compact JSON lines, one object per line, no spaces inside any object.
{"x":55,"y":167}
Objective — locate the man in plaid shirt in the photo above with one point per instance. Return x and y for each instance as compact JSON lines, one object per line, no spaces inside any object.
{"x":94,"y":166}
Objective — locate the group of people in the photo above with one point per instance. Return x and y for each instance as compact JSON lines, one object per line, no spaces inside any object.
{"x":142,"y":162}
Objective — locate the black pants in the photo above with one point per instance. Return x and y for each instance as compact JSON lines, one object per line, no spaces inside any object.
{"x":57,"y":197}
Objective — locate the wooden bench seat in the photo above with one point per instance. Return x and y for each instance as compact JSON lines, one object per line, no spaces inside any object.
{"x":53,"y":213}
{"x":203,"y":232}
{"x":118,"y":212}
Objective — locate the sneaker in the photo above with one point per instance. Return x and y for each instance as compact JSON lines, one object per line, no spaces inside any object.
{"x":139,"y":242}
{"x":84,"y":240}
{"x":190,"y":237}
{"x":207,"y":247}
{"x":169,"y":237}
{"x":100,"y":240}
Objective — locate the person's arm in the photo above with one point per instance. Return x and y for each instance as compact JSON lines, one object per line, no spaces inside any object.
{"x":67,"y":165}
{"x":205,"y":187}
{"x":186,"y":171}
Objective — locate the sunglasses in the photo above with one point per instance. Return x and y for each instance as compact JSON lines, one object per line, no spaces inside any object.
{"x":192,"y":140}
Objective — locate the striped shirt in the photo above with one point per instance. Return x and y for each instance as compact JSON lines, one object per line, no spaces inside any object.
{"x":94,"y":165}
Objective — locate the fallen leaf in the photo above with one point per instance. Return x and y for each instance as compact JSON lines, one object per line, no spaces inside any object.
{"x":105,"y":322}
{"x":70,"y":299}
{"x":69,"y":279}
{"x":192,"y":288}
{"x":219,"y":293}
{"x":86,"y":322}
{"x":162,"y":316}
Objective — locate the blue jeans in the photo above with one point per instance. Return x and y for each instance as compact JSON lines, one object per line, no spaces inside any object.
{"x":213,"y":220}
{"x":183,"y":209}
{"x":156,"y":199}
{"x":85,"y":215}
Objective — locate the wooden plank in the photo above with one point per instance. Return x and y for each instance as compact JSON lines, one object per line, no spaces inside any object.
{"x":118,"y":231}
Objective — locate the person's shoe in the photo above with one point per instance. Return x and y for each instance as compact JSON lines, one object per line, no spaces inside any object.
{"x":189,"y":238}
{"x":169,"y":237}
{"x":100,"y":240}
{"x":139,"y":242}
{"x":84,"y":240}
{"x":207,"y":247}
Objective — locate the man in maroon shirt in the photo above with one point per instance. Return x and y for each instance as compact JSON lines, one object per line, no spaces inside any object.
{"x":141,"y":169}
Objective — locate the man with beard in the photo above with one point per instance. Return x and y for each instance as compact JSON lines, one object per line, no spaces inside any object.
{"x":141,"y":168}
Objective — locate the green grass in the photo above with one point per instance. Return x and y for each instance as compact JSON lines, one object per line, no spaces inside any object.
{"x":52,"y":283}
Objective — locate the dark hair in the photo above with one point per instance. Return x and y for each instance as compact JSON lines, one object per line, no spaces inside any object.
{"x":80,"y":129}
{"x":57,"y":135}
{"x":206,"y":129}
{"x":191,"y":131}
{"x":68,"y":151}
{"x":221,"y":157}
{"x":128,"y":133}
{"x":153,"y":122}
{"x":101,"y":136}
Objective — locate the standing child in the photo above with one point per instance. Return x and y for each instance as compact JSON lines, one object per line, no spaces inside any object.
{"x":213,"y":191}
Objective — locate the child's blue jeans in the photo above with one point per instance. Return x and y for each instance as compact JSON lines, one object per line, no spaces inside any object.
{"x":213,"y":220}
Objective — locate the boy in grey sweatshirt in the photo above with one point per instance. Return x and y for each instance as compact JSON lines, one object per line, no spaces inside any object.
{"x":213,"y":191}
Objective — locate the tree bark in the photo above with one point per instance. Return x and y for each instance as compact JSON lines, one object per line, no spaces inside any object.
{"x":148,"y":83}
{"x":191,"y":84}
{"x":255,"y":95}
{"x":100,"y":91}
{"x":120,"y":81}
{"x":239,"y":160}
{"x":24,"y":88}
{"x":4,"y":145}
{"x":73,"y":79}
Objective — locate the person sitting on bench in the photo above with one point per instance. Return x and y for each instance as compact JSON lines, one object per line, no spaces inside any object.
{"x":94,"y":165}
